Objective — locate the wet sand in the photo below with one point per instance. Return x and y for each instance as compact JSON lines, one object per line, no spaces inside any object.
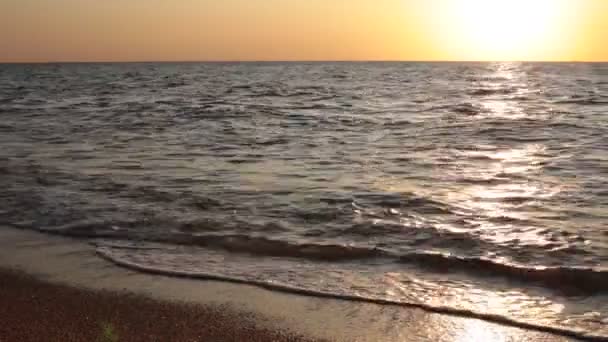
{"x":34,"y":310}
{"x":70,"y":290}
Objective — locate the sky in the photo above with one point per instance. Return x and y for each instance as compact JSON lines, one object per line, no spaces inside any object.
{"x":256,"y":30}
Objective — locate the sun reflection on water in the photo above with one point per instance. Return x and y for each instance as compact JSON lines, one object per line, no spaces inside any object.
{"x":495,"y":187}
{"x":477,"y":331}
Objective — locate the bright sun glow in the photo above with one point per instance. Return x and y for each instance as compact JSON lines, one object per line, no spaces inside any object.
{"x":505,"y":29}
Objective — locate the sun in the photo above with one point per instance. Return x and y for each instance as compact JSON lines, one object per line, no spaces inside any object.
{"x":506,"y":25}
{"x":503,"y":29}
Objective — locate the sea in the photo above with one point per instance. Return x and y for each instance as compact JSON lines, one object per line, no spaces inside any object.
{"x":474,"y":189}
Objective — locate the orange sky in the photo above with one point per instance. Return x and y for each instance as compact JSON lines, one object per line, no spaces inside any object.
{"x":193,"y":30}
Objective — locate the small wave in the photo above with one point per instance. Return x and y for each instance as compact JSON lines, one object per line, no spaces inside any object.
{"x":271,"y":142}
{"x":398,"y":123}
{"x":568,"y":125}
{"x":496,"y":79}
{"x":522,"y":139}
{"x":466,"y":108}
{"x":339,"y":76}
{"x":517,"y":98}
{"x":268,"y":93}
{"x":495,"y":130}
{"x":265,"y":90}
{"x":88,"y":230}
{"x":242,"y":161}
{"x":462,"y":108}
{"x":7,"y":100}
{"x":568,"y":279}
{"x":106,"y":254}
{"x":422,"y":205}
{"x":320,"y":215}
{"x":7,"y":128}
{"x":491,"y":180}
{"x":277,"y":248}
{"x":492,"y":91}
{"x":149,"y":193}
{"x":583,"y":102}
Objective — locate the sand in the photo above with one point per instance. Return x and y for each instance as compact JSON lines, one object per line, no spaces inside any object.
{"x":33,"y":310}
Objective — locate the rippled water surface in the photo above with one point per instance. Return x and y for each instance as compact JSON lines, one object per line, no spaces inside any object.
{"x":477,"y":189}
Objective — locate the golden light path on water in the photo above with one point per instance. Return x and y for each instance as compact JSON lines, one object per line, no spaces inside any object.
{"x":474,"y":330}
{"x":491,"y":162}
{"x":504,"y":178}
{"x":519,"y":169}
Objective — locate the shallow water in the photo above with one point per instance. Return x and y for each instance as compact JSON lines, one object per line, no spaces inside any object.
{"x":478,"y":188}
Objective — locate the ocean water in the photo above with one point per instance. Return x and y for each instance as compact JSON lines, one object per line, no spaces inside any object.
{"x":477,"y":189}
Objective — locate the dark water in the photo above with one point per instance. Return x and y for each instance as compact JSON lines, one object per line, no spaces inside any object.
{"x":478,"y":189}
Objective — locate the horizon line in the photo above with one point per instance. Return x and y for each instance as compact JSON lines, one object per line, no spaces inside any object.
{"x":228,"y":61}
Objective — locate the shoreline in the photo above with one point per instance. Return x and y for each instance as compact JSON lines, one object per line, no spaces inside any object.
{"x":59,"y":261}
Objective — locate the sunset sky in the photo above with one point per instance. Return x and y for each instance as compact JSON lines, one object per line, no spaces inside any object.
{"x":197,"y":30}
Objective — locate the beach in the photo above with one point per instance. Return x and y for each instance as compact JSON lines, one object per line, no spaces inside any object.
{"x":57,"y":288}
{"x":33,"y":310}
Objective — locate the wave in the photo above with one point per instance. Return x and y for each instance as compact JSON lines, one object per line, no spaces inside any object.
{"x":275,"y":286}
{"x":583,"y":102}
{"x":480,"y":78}
{"x":398,"y":123}
{"x":494,"y":131}
{"x":281,"y":90}
{"x":260,"y":246}
{"x":407,"y":200}
{"x":7,"y":128}
{"x":271,"y":142}
{"x":575,"y":280}
{"x":492,"y":91}
{"x":111,"y":187}
{"x":461,"y":108}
